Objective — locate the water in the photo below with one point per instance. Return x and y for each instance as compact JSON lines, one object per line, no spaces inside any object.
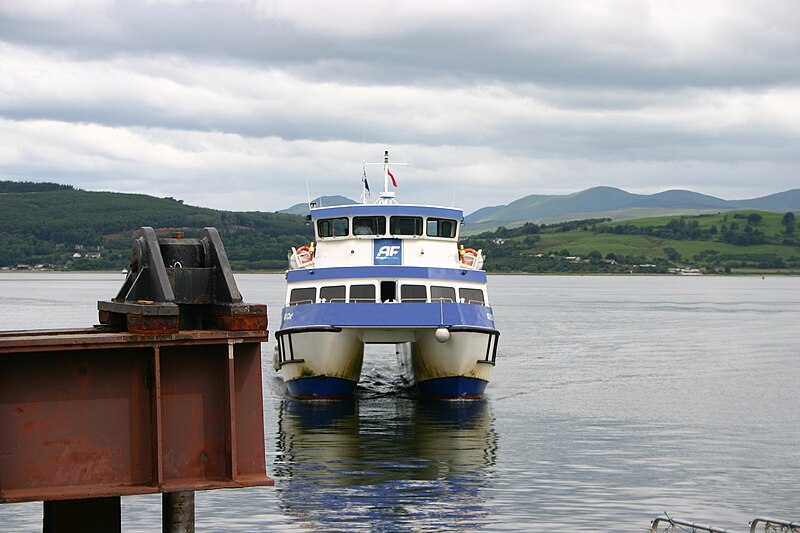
{"x":614,"y":399}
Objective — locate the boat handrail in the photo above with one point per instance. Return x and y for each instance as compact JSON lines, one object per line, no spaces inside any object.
{"x":768,"y":523}
{"x":301,"y":302}
{"x":678,"y":522}
{"x":774,"y":522}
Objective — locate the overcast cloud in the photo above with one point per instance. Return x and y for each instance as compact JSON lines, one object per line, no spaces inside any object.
{"x":232,"y":104}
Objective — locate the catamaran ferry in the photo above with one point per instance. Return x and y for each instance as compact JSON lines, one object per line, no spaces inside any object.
{"x":386,"y":273}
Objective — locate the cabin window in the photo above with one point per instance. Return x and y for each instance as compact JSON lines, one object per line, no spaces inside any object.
{"x":441,"y":227}
{"x":362,"y":293}
{"x":405,"y":225}
{"x":471,"y":296}
{"x":444,"y":294}
{"x":332,"y":294}
{"x":388,"y":291}
{"x":413,"y":293}
{"x":333,"y":227}
{"x":369,"y":225}
{"x":307,"y":295}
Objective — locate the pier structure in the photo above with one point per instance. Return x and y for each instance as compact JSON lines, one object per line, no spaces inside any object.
{"x":163,"y":396}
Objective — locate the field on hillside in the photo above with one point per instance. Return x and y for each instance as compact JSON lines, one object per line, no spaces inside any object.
{"x":595,"y":243}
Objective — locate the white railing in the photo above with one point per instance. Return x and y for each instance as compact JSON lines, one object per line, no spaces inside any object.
{"x":771,"y":524}
{"x":676,"y":524}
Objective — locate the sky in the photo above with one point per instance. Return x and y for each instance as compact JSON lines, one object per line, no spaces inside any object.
{"x":245,"y":104}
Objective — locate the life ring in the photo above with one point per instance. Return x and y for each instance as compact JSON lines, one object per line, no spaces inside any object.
{"x":304,"y":254}
{"x":473,"y":255}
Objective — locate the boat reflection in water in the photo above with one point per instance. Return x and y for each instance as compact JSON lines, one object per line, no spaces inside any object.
{"x":385,"y":463}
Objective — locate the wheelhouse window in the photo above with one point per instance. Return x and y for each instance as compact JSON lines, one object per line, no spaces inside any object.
{"x":405,"y":225}
{"x":369,"y":225}
{"x":332,"y":294}
{"x":362,"y":293}
{"x":306,"y":295}
{"x":444,"y":294}
{"x":333,"y":227}
{"x":413,"y":293}
{"x":471,"y":296}
{"x":441,"y":227}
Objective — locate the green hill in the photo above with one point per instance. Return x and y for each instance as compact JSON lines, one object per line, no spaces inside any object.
{"x":49,"y":224}
{"x":733,"y":241}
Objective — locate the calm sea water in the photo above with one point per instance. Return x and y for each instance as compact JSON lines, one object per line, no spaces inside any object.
{"x":614,"y":399}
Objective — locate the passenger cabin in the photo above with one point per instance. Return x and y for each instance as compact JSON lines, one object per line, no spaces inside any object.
{"x":388,"y":235}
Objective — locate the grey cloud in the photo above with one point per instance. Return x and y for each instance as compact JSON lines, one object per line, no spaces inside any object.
{"x":543,"y":97}
{"x":757,"y":48}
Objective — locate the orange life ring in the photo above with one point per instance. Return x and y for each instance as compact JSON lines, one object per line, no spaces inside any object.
{"x":302,"y":257}
{"x":470,"y":251}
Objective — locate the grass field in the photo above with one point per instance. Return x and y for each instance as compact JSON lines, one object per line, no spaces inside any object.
{"x":708,"y":252}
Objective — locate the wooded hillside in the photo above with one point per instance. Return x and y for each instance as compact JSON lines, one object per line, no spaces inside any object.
{"x":49,"y":224}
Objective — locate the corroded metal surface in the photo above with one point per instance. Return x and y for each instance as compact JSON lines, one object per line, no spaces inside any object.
{"x":91,"y":413}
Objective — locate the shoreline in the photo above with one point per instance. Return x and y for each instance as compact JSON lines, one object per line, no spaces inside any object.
{"x":788,"y":273}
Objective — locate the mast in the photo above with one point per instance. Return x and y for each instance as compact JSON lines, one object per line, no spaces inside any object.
{"x":386,"y":171}
{"x":387,"y":196}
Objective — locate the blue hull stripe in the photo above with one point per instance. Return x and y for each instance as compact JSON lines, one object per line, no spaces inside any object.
{"x":321,"y":388}
{"x":391,"y":315}
{"x":386,"y":209}
{"x":387,"y":272}
{"x":452,"y":387}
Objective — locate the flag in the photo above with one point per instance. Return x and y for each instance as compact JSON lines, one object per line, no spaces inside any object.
{"x":394,"y":182}
{"x":366,"y":183}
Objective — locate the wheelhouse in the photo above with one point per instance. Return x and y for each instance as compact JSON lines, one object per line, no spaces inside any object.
{"x":392,"y":221}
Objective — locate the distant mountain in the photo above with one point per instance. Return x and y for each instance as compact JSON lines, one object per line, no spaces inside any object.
{"x":322,"y":201}
{"x":778,"y":202}
{"x":610,"y":202}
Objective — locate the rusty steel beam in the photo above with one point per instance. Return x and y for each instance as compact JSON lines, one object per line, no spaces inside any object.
{"x":91,"y":413}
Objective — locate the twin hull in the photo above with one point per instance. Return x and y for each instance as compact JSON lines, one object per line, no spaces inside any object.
{"x":326,"y":361}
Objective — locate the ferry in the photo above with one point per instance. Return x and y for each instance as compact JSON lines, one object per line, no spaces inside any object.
{"x":386,"y":273}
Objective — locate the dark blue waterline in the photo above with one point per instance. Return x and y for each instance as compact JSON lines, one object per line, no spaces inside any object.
{"x":321,"y":388}
{"x":454,"y":387}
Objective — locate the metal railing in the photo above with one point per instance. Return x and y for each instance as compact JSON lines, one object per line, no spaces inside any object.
{"x":678,"y":523}
{"x":772,"y":523}
{"x":769,"y":524}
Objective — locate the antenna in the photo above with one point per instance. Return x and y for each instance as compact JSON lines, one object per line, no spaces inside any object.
{"x":308,"y":195}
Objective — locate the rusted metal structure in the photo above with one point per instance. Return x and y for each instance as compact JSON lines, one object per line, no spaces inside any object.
{"x":164,"y":396}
